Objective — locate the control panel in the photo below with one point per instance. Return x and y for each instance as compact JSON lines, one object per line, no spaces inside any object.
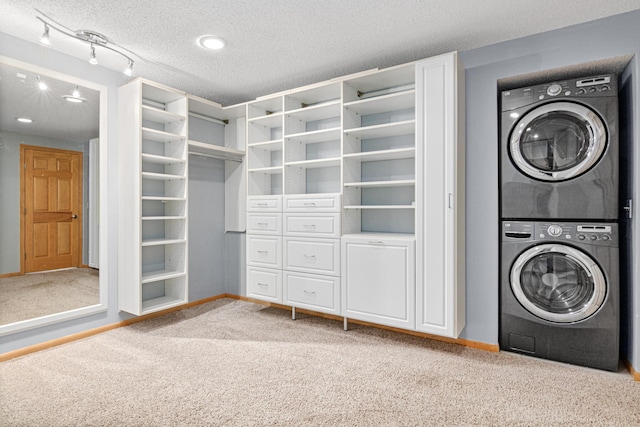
{"x":605,"y":85}
{"x":579,"y":233}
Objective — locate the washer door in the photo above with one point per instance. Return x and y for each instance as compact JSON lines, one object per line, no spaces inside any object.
{"x":557,"y":141}
{"x":558,"y":283}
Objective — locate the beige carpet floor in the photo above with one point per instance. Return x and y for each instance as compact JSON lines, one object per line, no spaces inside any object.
{"x":233,"y":363}
{"x":41,"y":294}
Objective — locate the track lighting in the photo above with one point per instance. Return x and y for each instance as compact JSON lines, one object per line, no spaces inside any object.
{"x":45,"y":35}
{"x":75,"y":96}
{"x":92,"y":56}
{"x":129,"y":70}
{"x":92,"y":38}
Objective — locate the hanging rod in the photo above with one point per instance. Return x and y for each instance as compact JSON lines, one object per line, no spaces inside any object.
{"x":209,"y":119}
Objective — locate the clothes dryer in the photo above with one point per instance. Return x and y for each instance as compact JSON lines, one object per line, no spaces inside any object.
{"x":559,"y":296}
{"x":559,"y":150}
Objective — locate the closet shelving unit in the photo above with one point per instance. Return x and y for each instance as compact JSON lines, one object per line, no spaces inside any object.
{"x":379,"y":152}
{"x":265,"y":147}
{"x":313,"y":140}
{"x":153,"y":236}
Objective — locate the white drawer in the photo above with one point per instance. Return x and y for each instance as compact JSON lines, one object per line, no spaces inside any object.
{"x":264,"y":223}
{"x":310,"y":225}
{"x":264,"y":283}
{"x":321,"y":256}
{"x":327,"y":203}
{"x":264,"y":251}
{"x":264,"y":203}
{"x":312,"y":291}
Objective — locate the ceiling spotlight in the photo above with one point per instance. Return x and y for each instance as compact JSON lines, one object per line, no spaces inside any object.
{"x":92,"y":56}
{"x":211,"y":42}
{"x":76,"y":92}
{"x":42,"y":85}
{"x":129,"y":70}
{"x":45,"y":36}
{"x":24,"y":120}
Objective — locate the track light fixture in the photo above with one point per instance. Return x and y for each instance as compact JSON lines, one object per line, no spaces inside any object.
{"x":92,"y":56}
{"x":92,"y":38}
{"x":45,"y":35}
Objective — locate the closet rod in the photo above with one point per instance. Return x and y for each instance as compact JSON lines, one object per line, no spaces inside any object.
{"x":209,"y":119}
{"x":213,"y":156}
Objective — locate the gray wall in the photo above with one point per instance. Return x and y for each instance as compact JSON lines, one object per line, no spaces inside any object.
{"x":10,"y":193}
{"x":597,"y":40}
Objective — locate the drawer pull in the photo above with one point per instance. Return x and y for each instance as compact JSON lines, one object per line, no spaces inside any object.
{"x":263,"y":204}
{"x":309,"y":203}
{"x":263,"y":224}
{"x":310,"y":226}
{"x":263,"y":252}
{"x":263,"y":284}
{"x":310,"y":256}
{"x":309,"y":292}
{"x":376,"y":242}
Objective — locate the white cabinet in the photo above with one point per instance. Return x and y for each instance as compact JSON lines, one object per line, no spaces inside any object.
{"x":152,"y":237}
{"x":440,"y":222}
{"x":312,"y":291}
{"x":378,"y":279}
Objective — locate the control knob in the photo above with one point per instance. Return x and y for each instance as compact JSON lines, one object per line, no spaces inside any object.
{"x":554,"y":230}
{"x":593,"y":237}
{"x":606,"y":237}
{"x":554,"y":89}
{"x":581,"y":237}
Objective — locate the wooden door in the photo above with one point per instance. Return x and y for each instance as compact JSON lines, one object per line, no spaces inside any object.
{"x":51,"y":207}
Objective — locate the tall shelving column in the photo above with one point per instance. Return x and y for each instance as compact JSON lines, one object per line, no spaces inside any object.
{"x":152,"y":240}
{"x":264,"y":198}
{"x":379,"y":179}
{"x":311,"y":205}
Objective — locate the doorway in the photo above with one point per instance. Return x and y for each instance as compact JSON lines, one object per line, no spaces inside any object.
{"x":51,"y":208}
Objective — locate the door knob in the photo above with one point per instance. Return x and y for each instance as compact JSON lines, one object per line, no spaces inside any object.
{"x":74,"y":216}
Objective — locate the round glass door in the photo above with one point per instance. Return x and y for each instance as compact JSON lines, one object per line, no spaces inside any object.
{"x":558,"y":141}
{"x":558,"y":283}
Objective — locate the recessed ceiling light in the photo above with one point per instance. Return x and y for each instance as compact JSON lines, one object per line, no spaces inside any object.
{"x":211,"y":42}
{"x":24,"y":120}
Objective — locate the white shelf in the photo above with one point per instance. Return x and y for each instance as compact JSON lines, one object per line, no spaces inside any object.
{"x":164,"y":198}
{"x":316,"y":163}
{"x":312,"y":137}
{"x":380,"y":184}
{"x":379,"y":236}
{"x":380,"y":207}
{"x":321,"y":111}
{"x":160,"y":116}
{"x":161,"y":303}
{"x":270,"y":121}
{"x":405,"y":127}
{"x":162,"y":160}
{"x":156,"y":276}
{"x":161,"y":136}
{"x":160,"y":176}
{"x":157,"y":242}
{"x":384,"y":103}
{"x":272,"y":170}
{"x":196,"y":147}
{"x":162,"y":218}
{"x":273,"y":145}
{"x":372,"y":156}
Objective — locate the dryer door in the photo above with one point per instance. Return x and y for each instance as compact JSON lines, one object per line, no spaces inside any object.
{"x":558,"y":283}
{"x":557,"y":141}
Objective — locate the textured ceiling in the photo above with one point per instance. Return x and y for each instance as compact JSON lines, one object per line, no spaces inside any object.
{"x":280,"y":44}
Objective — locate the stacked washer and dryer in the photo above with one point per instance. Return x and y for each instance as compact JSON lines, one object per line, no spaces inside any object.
{"x":559,"y":286}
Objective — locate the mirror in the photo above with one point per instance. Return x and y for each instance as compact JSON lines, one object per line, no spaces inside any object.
{"x":52,"y":172}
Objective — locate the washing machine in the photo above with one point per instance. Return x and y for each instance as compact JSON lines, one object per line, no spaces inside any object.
{"x":559,"y":150}
{"x":559,"y":291}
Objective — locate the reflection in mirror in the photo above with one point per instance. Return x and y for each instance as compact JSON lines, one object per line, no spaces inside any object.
{"x":49,"y":197}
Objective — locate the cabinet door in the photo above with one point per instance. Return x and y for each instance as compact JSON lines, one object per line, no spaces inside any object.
{"x":379,"y":281}
{"x":440,"y":258}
